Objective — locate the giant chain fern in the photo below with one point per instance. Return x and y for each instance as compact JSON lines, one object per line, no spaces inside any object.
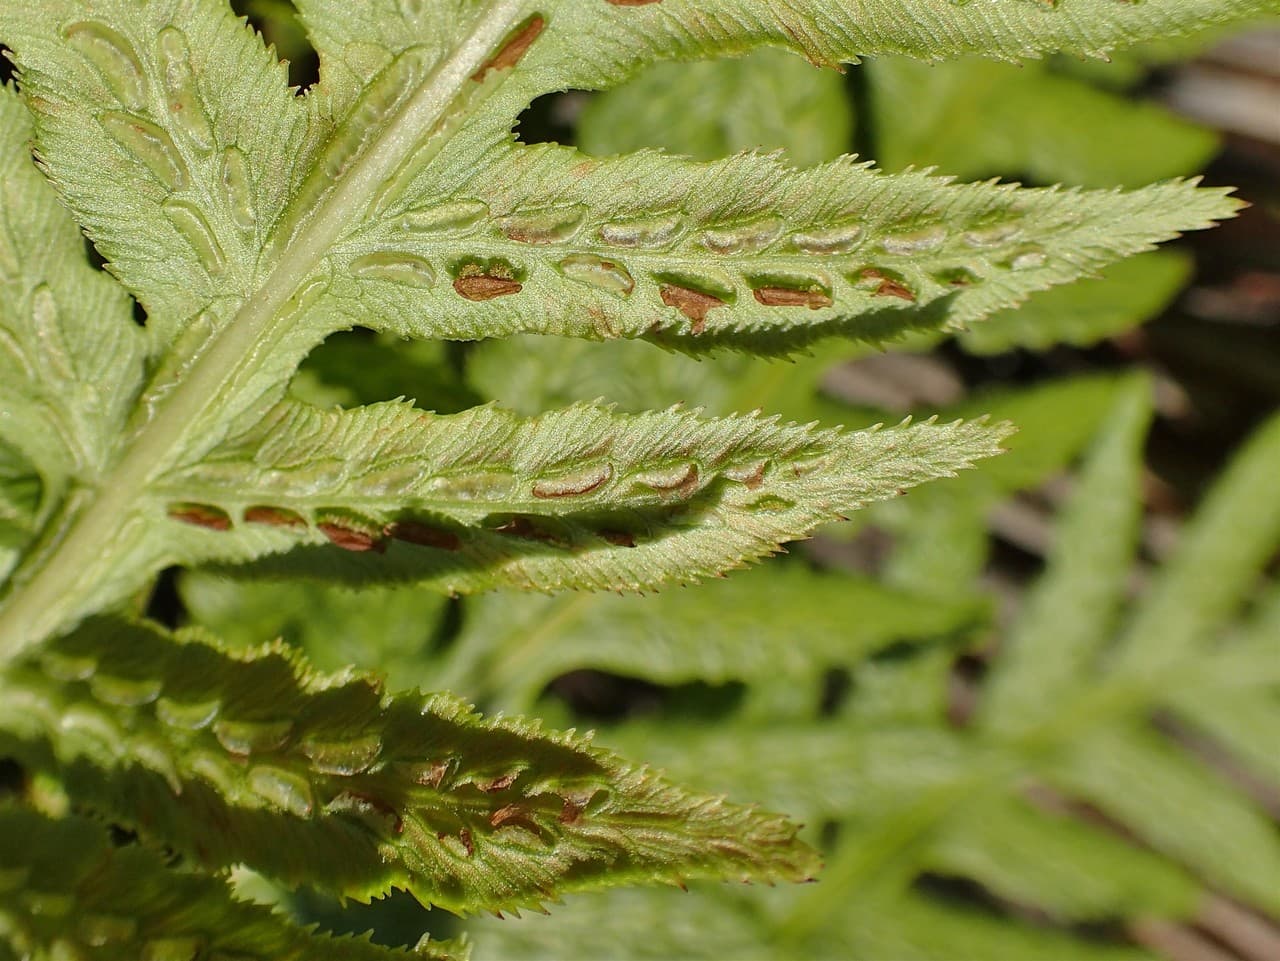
{"x":249,"y":223}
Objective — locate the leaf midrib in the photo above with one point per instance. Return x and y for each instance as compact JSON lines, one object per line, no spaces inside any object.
{"x":47,"y":601}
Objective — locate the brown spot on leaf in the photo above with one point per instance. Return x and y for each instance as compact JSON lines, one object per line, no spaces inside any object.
{"x":573,"y":485}
{"x":786,"y":297}
{"x":889,"y":287}
{"x":570,"y":812}
{"x":526,"y":530}
{"x":424,"y":535}
{"x":201,"y":515}
{"x":274,"y":517}
{"x":465,"y":837}
{"x":514,"y":814}
{"x":692,"y":303}
{"x":513,"y":49}
{"x":619,"y":538}
{"x":350,"y":539}
{"x":433,"y":776}
{"x":498,"y":784}
{"x":481,"y":287}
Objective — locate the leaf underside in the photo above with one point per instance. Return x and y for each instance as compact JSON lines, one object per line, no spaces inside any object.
{"x":127,"y":903}
{"x":253,"y":758}
{"x":250,"y":222}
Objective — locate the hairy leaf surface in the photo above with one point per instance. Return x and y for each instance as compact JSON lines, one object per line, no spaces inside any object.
{"x":581,"y":497}
{"x":69,"y":892}
{"x":251,"y":223}
{"x":252,"y":758}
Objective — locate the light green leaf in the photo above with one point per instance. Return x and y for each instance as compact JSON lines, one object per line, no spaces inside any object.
{"x":1235,"y":532}
{"x":941,"y":535}
{"x":976,"y":119}
{"x":827,"y":33}
{"x":512,"y":646}
{"x":70,"y":353}
{"x":1121,"y":297}
{"x":921,"y":928}
{"x":1178,"y":807}
{"x":1081,"y":725}
{"x":742,"y":925}
{"x":68,"y":891}
{"x":389,"y":630}
{"x":746,"y":253}
{"x":766,"y":100}
{"x":1071,"y":610}
{"x":252,"y":758}
{"x":1060,"y":864}
{"x":170,"y":132}
{"x":252,"y":223}
{"x":581,"y":497}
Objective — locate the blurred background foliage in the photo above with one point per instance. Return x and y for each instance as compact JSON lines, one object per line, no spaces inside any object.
{"x":1028,"y":713}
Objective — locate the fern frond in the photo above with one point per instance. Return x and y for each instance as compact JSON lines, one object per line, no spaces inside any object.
{"x":580,"y":497}
{"x":251,"y":223}
{"x":744,"y":252}
{"x":69,"y":892}
{"x":252,"y":758}
{"x":829,"y":34}
{"x":1073,"y":608}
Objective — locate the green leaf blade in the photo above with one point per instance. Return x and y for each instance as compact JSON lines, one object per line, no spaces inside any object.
{"x":170,"y":132}
{"x":77,"y":892}
{"x":582,"y":497}
{"x":1234,"y":534}
{"x":1075,"y":604}
{"x":743,"y":253}
{"x":831,"y":34}
{"x":250,"y":758}
{"x":70,"y":353}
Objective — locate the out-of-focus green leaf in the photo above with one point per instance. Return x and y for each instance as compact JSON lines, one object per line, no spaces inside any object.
{"x":725,"y":630}
{"x":767,"y":100}
{"x":941,"y":538}
{"x":1122,"y":296}
{"x":1072,"y":609}
{"x":66,"y":891}
{"x":916,"y":803}
{"x":975,"y":118}
{"x":389,"y":630}
{"x":359,"y":367}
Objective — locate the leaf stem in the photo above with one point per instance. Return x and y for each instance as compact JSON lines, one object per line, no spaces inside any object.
{"x":53,"y":596}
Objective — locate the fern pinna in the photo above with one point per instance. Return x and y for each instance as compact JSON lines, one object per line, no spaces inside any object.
{"x":249,"y":222}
